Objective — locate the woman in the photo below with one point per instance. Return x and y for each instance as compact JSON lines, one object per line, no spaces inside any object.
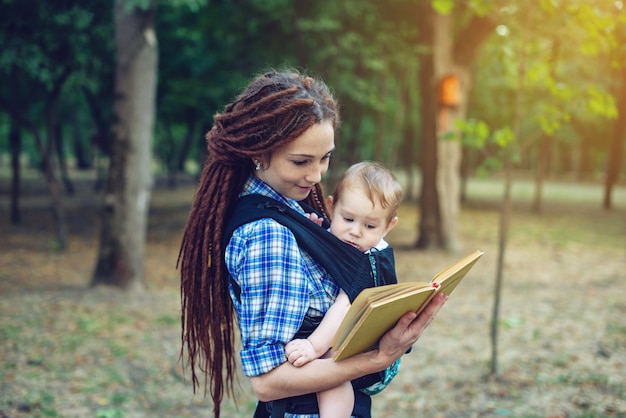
{"x":275,"y":139}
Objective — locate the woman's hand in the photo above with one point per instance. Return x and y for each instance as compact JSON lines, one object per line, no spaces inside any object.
{"x":409,"y":328}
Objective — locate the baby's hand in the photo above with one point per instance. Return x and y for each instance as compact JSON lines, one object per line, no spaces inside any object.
{"x":300,"y":352}
{"x":314,"y":218}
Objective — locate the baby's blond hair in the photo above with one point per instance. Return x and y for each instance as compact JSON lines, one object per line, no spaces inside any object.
{"x":380,"y":185}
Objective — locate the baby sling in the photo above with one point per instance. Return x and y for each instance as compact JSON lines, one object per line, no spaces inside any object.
{"x":352,"y":270}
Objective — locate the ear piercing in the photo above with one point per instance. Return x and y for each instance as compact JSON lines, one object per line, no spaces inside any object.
{"x":257,"y":165}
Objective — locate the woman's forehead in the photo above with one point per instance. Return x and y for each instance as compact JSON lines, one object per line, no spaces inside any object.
{"x":316,"y":141}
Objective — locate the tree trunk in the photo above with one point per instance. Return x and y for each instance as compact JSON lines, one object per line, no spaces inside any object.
{"x":543,"y":158}
{"x":45,"y":150}
{"x":188,"y":139}
{"x":585,"y":164}
{"x":564,"y":154}
{"x":401,"y":121}
{"x":429,"y":232}
{"x":15,"y":143}
{"x":124,"y":218}
{"x":617,"y":145}
{"x":448,"y":151}
{"x":505,"y":215}
{"x":402,"y":128}
{"x":83,"y":157}
{"x":545,"y":144}
{"x":381,"y":126}
{"x":441,"y":159}
{"x":100,"y":141}
{"x":58,"y":211}
{"x":63,"y":169}
{"x":466,"y":167}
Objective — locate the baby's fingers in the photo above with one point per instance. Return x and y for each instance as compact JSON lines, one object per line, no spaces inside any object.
{"x":292,"y":357}
{"x":301,"y":361}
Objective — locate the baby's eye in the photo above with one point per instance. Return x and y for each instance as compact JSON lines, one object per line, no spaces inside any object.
{"x":371,"y":226}
{"x":348,"y":219}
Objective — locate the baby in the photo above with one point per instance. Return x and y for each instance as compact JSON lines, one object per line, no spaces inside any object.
{"x":363,"y":210}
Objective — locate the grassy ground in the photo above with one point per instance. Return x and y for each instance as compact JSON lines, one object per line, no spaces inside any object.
{"x":70,"y":351}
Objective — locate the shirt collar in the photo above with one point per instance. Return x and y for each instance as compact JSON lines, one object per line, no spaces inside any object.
{"x":255,"y":185}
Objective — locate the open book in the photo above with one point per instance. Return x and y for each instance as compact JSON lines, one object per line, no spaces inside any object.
{"x":376,"y":310}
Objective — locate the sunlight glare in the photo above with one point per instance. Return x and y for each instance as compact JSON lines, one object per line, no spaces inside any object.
{"x":502,"y":30}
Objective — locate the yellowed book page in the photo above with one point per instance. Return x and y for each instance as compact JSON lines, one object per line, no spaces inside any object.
{"x":450,"y":277}
{"x":364,"y":299}
{"x":379,"y":318}
{"x":371,"y":322}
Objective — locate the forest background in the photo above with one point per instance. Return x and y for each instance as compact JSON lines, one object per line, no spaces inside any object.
{"x":539,"y":98}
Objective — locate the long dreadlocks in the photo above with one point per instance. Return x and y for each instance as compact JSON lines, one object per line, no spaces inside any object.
{"x":275,"y":109}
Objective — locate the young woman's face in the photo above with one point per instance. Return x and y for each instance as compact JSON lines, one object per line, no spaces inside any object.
{"x":357,"y":220}
{"x":294,"y":169}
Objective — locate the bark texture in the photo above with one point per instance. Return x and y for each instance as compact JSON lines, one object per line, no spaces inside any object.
{"x":125,"y":210}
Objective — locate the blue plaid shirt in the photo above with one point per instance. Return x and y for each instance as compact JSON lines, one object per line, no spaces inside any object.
{"x":279,"y":284}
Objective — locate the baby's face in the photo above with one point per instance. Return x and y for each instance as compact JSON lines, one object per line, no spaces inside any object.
{"x":358,"y":221}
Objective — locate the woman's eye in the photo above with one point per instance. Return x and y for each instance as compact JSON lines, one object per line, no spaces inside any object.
{"x":300,"y":163}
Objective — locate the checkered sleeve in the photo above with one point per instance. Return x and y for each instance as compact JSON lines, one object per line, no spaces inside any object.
{"x":264,"y":259}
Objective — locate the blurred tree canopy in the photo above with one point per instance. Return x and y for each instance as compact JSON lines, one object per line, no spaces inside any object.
{"x":57,"y":66}
{"x":369,"y":52}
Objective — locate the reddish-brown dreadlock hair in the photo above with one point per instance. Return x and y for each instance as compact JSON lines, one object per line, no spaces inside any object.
{"x":275,"y":109}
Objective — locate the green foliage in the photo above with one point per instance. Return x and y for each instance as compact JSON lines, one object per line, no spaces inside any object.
{"x":503,"y":137}
{"x":597,"y":21}
{"x":193,"y":5}
{"x":368,"y":51}
{"x":443,"y":7}
{"x":50,"y":48}
{"x":551,"y":118}
{"x":478,"y":7}
{"x":601,"y":103}
{"x":109,"y":413}
{"x":561,"y":95}
{"x":494,"y":146}
{"x":43,"y":41}
{"x":475,"y":133}
{"x":512,"y":322}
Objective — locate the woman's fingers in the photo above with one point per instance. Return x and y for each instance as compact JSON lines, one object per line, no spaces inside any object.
{"x":410,"y":327}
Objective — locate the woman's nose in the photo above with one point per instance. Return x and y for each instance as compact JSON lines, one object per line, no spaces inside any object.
{"x":315,"y":175}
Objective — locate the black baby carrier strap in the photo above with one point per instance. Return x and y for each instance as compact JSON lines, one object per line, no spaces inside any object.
{"x":352,"y":270}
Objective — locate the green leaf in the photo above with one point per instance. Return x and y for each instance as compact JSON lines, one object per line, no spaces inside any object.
{"x":473,"y":132}
{"x":601,"y":103}
{"x":443,"y":7}
{"x":503,"y":137}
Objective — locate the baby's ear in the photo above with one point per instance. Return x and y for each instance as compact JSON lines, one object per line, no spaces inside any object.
{"x":391,"y":224}
{"x":330,"y":202}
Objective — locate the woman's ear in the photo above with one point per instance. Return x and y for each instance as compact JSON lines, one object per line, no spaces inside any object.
{"x":260,"y":162}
